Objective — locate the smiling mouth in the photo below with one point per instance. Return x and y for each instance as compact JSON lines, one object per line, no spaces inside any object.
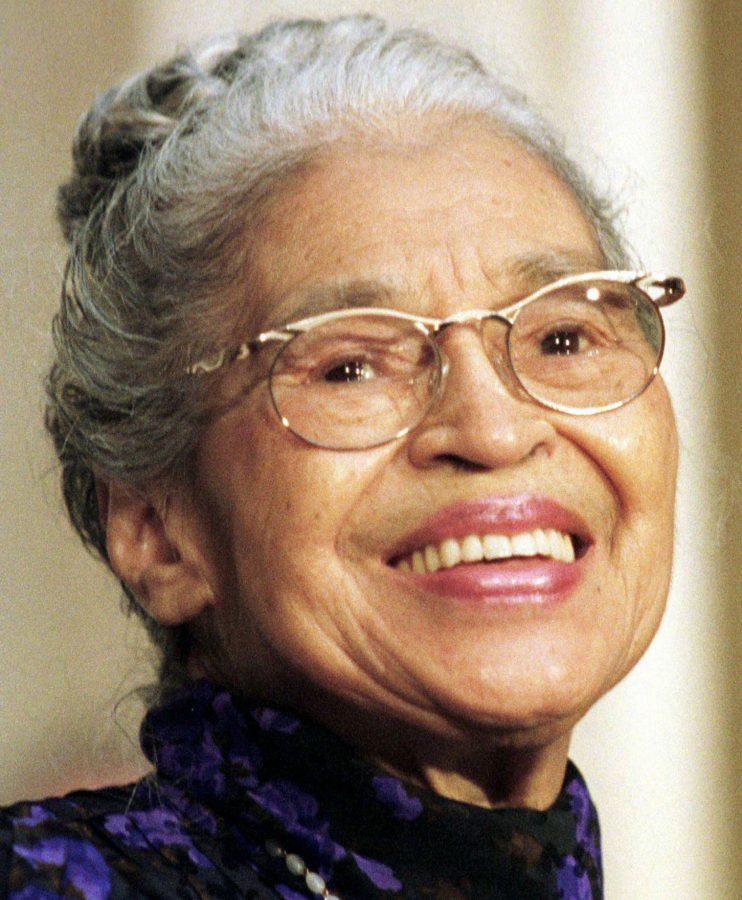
{"x":546,"y":543}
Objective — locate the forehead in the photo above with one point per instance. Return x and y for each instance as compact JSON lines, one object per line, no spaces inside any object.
{"x":442,"y":219}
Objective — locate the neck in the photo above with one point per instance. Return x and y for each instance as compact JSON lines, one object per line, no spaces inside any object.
{"x":481,"y":766}
{"x":488,"y":767}
{"x":493,"y":777}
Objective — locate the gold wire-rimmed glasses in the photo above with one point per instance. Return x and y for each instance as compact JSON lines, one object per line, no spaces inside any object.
{"x":354,"y":379}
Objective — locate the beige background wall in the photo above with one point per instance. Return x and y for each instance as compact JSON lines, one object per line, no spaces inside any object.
{"x":647,"y":93}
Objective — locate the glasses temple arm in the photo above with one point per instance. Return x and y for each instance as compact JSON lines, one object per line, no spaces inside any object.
{"x":663,"y":291}
{"x":225,"y":357}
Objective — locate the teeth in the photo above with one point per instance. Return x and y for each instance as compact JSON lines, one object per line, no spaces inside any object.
{"x":432,"y":559}
{"x":471,"y":549}
{"x":474,"y":548}
{"x":450,"y":553}
{"x":556,"y":545}
{"x":524,"y":544}
{"x":497,"y":546}
{"x":418,"y":563}
{"x":569,"y":549}
{"x":543,"y":545}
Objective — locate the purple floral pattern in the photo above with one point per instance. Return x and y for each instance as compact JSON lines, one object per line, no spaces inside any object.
{"x":585,"y":820}
{"x":154,"y":828}
{"x":391,"y":792}
{"x":381,"y":875}
{"x":36,"y":815}
{"x":573,"y":880}
{"x":84,"y":868}
{"x":230,"y":776}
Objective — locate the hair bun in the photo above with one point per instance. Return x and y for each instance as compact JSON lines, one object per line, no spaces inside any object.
{"x":107,"y":148}
{"x":139,"y":115}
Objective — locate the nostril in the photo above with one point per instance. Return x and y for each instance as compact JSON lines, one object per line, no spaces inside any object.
{"x":460,"y":464}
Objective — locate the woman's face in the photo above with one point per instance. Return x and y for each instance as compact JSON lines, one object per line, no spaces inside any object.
{"x":309,"y":610}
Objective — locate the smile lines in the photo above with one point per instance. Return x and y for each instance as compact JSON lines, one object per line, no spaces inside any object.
{"x":474,"y":548}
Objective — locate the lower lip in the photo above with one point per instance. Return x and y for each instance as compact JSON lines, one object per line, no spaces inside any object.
{"x":516,"y":582}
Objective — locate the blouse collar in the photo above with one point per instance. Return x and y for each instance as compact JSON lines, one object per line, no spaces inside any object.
{"x":287,"y":780}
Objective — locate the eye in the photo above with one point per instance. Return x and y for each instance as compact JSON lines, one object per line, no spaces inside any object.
{"x":348,"y":371}
{"x":562,"y":342}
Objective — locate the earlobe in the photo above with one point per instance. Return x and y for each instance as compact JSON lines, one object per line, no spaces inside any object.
{"x":152,"y":550}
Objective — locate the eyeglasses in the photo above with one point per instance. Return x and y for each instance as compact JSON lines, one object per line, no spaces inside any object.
{"x":358,"y":378}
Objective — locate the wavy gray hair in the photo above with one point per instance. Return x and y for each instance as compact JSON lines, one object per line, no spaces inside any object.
{"x":169,"y":169}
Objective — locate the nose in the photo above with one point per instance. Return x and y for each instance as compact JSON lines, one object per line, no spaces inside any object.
{"x":481,"y":419}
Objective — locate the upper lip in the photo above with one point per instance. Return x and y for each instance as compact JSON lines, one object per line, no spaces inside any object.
{"x":499,"y":514}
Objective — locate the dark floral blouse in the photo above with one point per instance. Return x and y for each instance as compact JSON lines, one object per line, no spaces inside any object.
{"x":253,"y":802}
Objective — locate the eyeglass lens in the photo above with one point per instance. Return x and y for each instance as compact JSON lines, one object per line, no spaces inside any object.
{"x":587,"y":346}
{"x":360,"y":381}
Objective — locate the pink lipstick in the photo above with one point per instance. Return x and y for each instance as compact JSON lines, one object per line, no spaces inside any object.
{"x":534,"y":578}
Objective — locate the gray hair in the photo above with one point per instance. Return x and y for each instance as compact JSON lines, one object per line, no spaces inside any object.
{"x":169,"y":168}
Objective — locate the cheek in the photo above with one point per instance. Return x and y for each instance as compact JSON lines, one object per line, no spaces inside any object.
{"x":289,"y":598}
{"x":650,"y":460}
{"x":282,"y":503}
{"x":635,"y":449}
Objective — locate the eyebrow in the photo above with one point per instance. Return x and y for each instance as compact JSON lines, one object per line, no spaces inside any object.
{"x":534,"y":270}
{"x":341,"y":295}
{"x":523,"y":274}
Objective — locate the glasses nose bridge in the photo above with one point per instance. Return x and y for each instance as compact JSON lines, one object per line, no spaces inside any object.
{"x":477,"y":318}
{"x":469,"y":316}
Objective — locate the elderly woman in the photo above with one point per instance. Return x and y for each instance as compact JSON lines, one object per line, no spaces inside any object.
{"x":356,"y":395}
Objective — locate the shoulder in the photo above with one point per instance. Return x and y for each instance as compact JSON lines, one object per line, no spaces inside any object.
{"x":50,"y":846}
{"x":117,"y":842}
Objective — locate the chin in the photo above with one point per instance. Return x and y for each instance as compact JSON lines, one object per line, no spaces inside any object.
{"x":525,"y":716}
{"x":515,"y":730}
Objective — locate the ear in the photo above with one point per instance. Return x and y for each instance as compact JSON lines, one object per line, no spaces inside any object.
{"x":152,"y":548}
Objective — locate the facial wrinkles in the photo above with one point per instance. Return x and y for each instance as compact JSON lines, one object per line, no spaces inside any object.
{"x":379,"y":655}
{"x":326,"y":584}
{"x":631,"y":634}
{"x":354,"y":636}
{"x":509,"y":281}
{"x":624,"y":438}
{"x":367,"y":642}
{"x":456,"y":277}
{"x":364,"y":461}
{"x":639,"y":502}
{"x":413,"y":221}
{"x":380,"y":659}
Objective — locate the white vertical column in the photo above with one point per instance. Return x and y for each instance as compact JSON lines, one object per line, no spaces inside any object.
{"x":632,"y":90}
